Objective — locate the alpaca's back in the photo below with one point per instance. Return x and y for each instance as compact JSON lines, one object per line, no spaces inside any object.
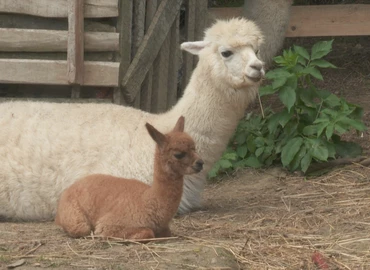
{"x":60,"y":143}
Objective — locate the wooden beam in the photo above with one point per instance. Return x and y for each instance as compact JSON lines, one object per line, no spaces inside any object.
{"x":329,"y":20}
{"x":54,"y":72}
{"x":37,"y":40}
{"x":150,"y":46}
{"x":59,"y":8}
{"x":323,"y":20}
{"x":124,"y":27}
{"x":75,"y":48}
{"x":147,"y":85}
{"x":188,"y":58}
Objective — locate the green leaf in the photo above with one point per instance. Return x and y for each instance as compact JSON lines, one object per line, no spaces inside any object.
{"x":259,"y":151}
{"x":329,"y":131}
{"x":225,"y":164}
{"x":298,"y":157}
{"x":301,"y":51}
{"x":278,"y":82}
{"x":292,"y":81}
{"x":284,"y":117}
{"x":279,"y":60}
{"x":290,"y":150}
{"x":273,"y":122}
{"x":287,"y":95}
{"x":332,"y":100}
{"x":213,"y":172}
{"x":242,"y":150}
{"x":253,"y":162}
{"x":230,"y":156}
{"x":277,"y":73}
{"x":313,"y":72}
{"x":267,"y":90}
{"x":322,"y":63}
{"x":309,"y":130}
{"x":250,"y":143}
{"x":259,"y":142}
{"x":319,"y":152}
{"x":353,"y":123}
{"x":321,"y":49}
{"x":240,"y":138}
{"x":305,"y":162}
{"x":321,"y":127}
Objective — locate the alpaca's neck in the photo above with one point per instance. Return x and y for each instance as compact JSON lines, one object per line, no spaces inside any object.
{"x":166,"y":189}
{"x":212,"y":111}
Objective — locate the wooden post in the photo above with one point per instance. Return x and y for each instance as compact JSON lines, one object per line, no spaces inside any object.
{"x":75,"y":49}
{"x":124,"y":27}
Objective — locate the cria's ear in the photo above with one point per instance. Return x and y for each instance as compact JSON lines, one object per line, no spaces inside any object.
{"x":158,"y":137}
{"x":194,"y":47}
{"x":179,"y":127}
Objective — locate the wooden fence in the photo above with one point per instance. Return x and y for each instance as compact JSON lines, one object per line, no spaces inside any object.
{"x":147,"y":70}
{"x":323,"y":20}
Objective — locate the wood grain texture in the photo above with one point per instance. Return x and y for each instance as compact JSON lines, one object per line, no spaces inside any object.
{"x":124,"y":27}
{"x":150,"y":46}
{"x":147,"y":85}
{"x":35,"y":40}
{"x":54,"y":72}
{"x":59,"y":8}
{"x":323,"y":20}
{"x":75,"y":48}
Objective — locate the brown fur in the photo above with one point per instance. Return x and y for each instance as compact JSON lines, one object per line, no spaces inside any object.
{"x":127,"y":208}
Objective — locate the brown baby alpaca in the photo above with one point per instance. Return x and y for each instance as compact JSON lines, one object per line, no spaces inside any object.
{"x":127,"y":208}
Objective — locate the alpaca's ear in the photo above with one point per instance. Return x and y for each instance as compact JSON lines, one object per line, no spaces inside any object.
{"x":179,"y":127}
{"x":158,"y":137}
{"x":194,"y":47}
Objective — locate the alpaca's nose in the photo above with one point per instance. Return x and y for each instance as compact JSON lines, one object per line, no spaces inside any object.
{"x":257,"y":66}
{"x":199,"y":164}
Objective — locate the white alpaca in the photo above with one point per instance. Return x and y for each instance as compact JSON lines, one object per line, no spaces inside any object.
{"x":45,"y":147}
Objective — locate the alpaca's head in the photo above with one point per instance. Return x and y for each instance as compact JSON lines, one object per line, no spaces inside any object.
{"x":176,"y":150}
{"x":229,"y":52}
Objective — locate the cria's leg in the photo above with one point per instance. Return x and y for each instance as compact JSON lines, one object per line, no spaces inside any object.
{"x":164,"y":232}
{"x":72,"y":219}
{"x":123,"y":232}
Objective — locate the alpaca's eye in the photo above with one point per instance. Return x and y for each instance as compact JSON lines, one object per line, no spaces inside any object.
{"x":257,"y":51}
{"x":226,"y":53}
{"x":180,"y":155}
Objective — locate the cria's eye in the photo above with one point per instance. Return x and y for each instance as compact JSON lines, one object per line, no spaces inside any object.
{"x":180,"y":155}
{"x":226,"y":53}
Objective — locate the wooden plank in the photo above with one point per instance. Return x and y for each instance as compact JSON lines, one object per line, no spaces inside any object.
{"x":124,"y":26}
{"x":147,"y":85}
{"x":190,"y":36}
{"x":57,"y":100}
{"x":323,"y":20}
{"x":137,"y":35}
{"x":59,"y":8}
{"x":35,"y":40}
{"x":173,"y":69}
{"x":150,"y":46}
{"x":160,"y":77}
{"x":329,"y":20}
{"x":54,"y":72}
{"x":75,"y":48}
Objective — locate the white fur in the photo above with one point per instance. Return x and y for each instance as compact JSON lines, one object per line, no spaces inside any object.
{"x":45,"y":147}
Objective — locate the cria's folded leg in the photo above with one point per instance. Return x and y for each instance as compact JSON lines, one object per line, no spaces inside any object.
{"x":123,"y":232}
{"x":72,"y":219}
{"x":164,"y":232}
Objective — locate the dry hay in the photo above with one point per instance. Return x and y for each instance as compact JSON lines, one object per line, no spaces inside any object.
{"x":258,"y":220}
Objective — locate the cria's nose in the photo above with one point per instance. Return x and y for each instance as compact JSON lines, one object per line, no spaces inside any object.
{"x":199,"y":164}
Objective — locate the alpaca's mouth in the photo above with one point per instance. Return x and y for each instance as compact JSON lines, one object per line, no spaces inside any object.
{"x":255,"y":79}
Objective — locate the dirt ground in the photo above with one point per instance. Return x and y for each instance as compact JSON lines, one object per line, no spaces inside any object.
{"x":254,"y":219}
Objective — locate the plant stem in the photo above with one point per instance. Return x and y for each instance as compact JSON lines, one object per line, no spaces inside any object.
{"x":261,"y":107}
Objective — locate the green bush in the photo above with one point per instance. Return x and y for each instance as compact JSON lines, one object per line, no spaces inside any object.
{"x":306,"y":130}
